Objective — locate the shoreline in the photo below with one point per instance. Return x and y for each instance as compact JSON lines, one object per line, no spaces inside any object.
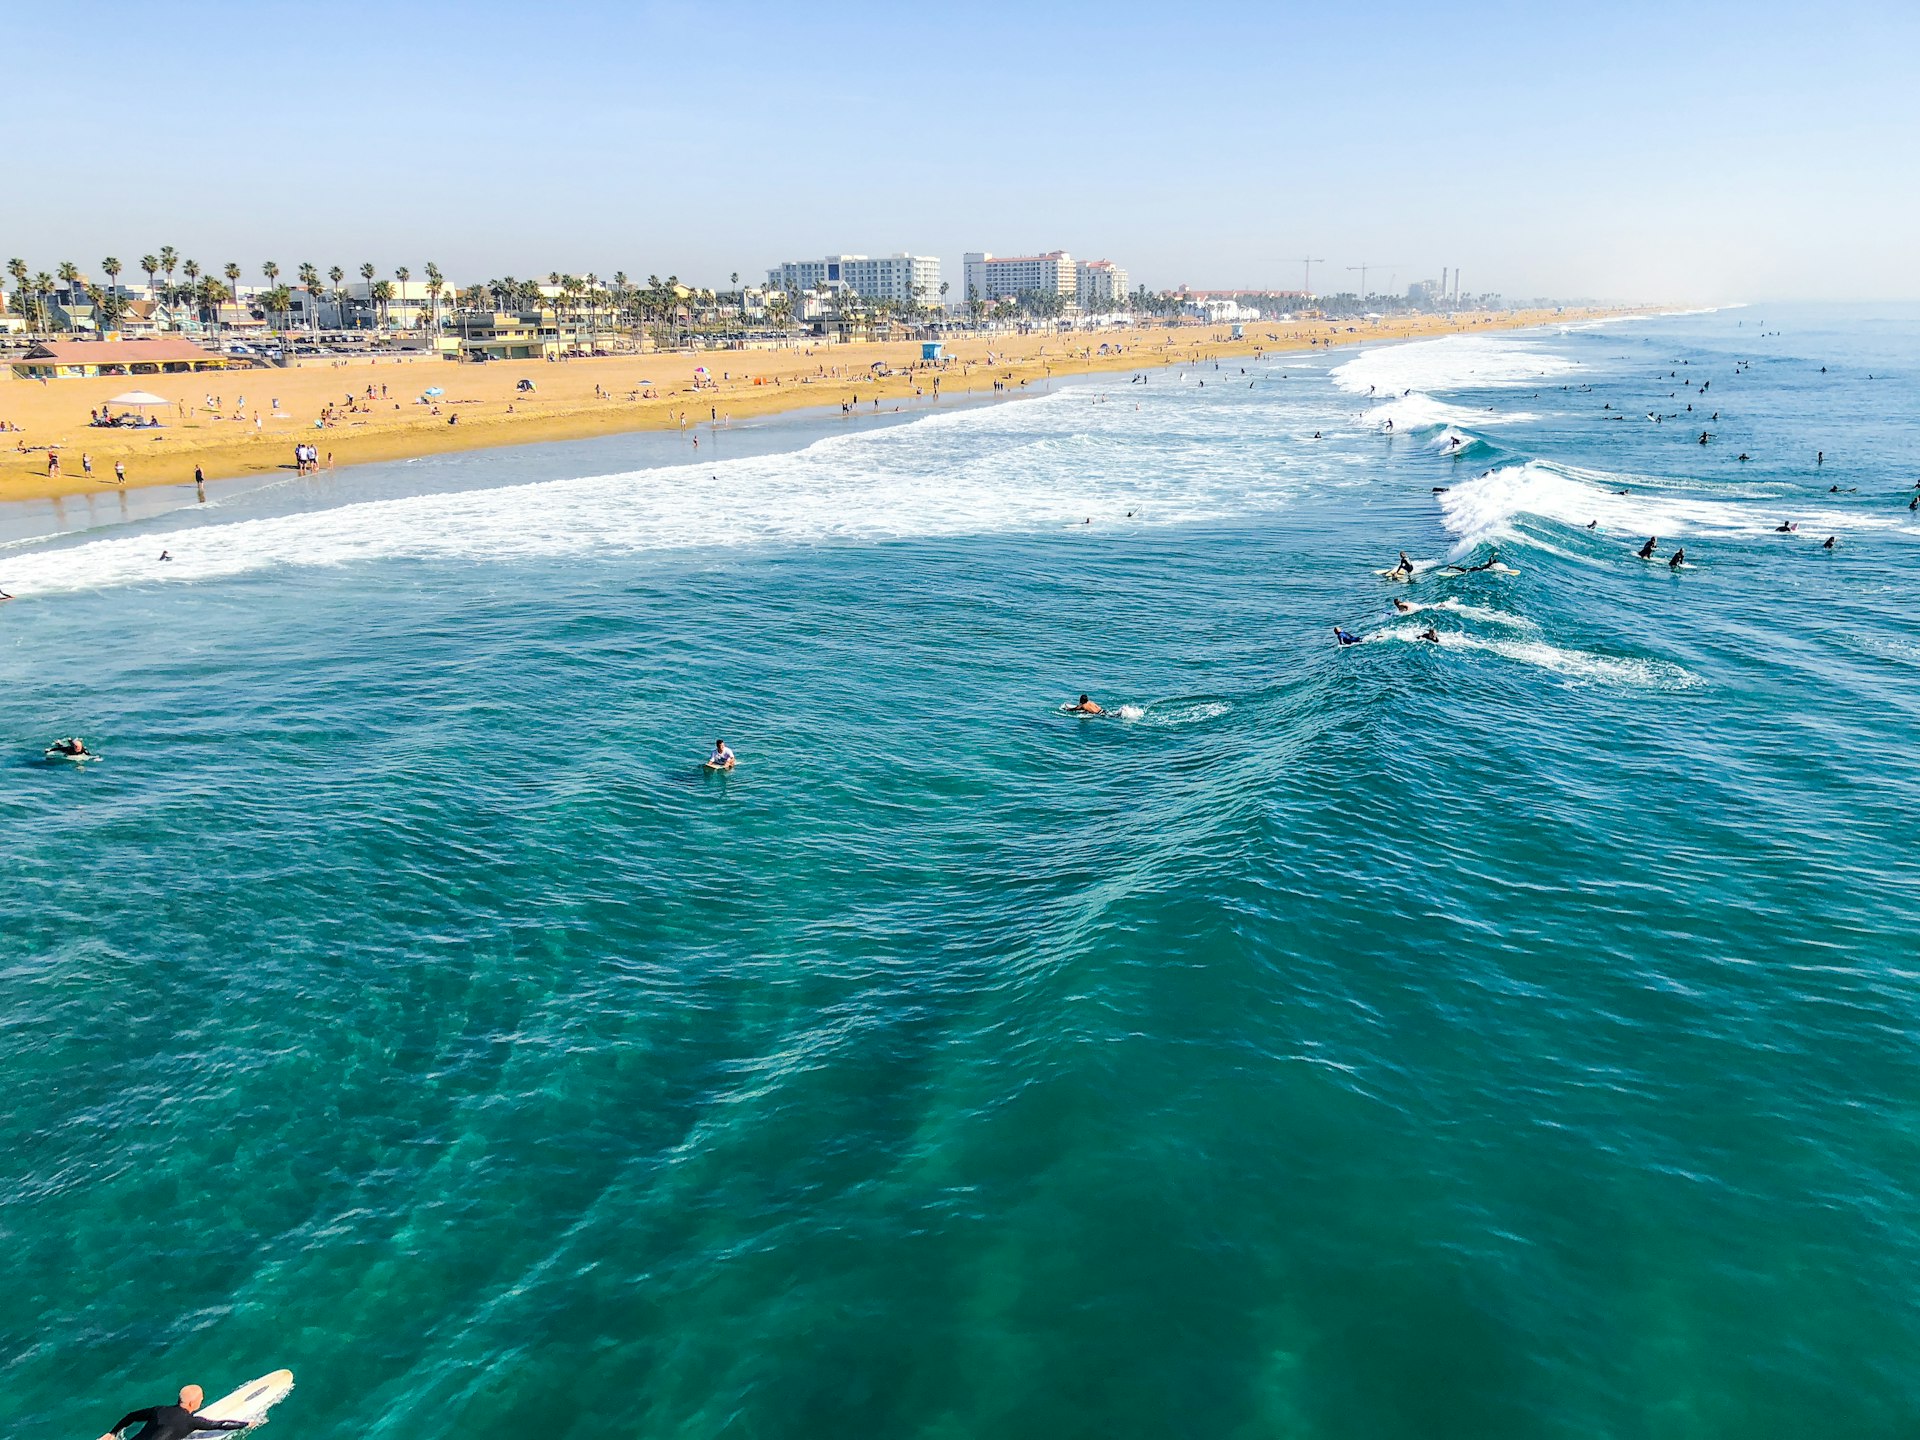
{"x":582,"y":399}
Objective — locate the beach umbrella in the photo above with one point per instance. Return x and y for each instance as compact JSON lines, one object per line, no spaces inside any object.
{"x":433,"y":391}
{"x":138,"y":397}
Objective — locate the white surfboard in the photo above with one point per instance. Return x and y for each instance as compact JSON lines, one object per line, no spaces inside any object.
{"x":250,"y":1402}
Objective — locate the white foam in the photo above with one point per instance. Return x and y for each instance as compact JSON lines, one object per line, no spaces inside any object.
{"x":1030,"y":467}
{"x":1576,"y":665}
{"x":1486,"y":507}
{"x":1421,"y":412}
{"x":1455,"y":362}
{"x":1480,"y":613}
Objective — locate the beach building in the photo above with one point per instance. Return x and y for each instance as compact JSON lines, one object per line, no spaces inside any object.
{"x":987,"y":276}
{"x":907,"y":279}
{"x":407,"y":306}
{"x":1100,"y":285}
{"x":83,"y":359}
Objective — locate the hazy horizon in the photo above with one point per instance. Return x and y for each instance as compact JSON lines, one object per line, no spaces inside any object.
{"x":1721,"y":154}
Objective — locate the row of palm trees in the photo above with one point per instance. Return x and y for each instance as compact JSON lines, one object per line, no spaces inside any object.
{"x":34,"y":291}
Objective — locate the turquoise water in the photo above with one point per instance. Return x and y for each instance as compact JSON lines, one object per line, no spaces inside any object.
{"x":1513,"y":1037}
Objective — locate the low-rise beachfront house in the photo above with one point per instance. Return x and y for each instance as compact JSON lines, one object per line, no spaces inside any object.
{"x":84,"y":359}
{"x":407,"y":306}
{"x":525,"y":335}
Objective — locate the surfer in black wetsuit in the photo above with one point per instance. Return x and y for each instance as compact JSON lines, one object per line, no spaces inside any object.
{"x":1679,"y":558}
{"x":1345,"y":637}
{"x":1646,"y":550}
{"x":1430,"y":635}
{"x":174,"y":1422}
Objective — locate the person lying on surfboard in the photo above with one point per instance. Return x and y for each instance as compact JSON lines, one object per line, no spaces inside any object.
{"x":1086,"y":706}
{"x":174,"y":1422}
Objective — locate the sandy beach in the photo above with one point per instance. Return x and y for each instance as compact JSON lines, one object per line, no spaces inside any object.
{"x":259,"y":415}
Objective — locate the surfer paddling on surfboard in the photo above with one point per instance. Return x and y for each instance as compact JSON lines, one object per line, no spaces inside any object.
{"x":1086,"y":705}
{"x":174,"y":1422}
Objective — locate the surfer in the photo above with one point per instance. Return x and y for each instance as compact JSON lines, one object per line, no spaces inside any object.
{"x":73,"y":745}
{"x":1646,"y":550}
{"x":1402,"y":571}
{"x":164,"y":555}
{"x":722,"y":758}
{"x":1086,"y":705}
{"x":1785,"y":527}
{"x":1402,"y":606}
{"x":1345,"y":637}
{"x":1430,"y":635}
{"x":1827,"y":544}
{"x":1679,"y":558}
{"x":174,"y":1422}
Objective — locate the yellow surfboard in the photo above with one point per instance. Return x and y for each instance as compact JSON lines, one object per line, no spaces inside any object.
{"x":250,"y":1402}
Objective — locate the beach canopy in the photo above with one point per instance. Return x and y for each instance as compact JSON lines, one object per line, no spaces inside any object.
{"x":137,"y":397}
{"x":433,"y":390}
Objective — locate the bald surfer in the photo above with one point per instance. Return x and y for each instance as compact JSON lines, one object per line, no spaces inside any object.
{"x":174,"y":1422}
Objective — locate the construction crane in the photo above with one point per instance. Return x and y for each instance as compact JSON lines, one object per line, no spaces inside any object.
{"x":1367,"y":265}
{"x":1306,"y":283}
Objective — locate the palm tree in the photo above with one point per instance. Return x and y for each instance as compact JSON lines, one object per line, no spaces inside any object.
{"x":17,"y":268}
{"x":435,"y":282}
{"x":108,"y":313}
{"x":382,"y":294}
{"x":310,"y":282}
{"x":169,"y":257}
{"x":211,"y":296}
{"x":150,"y":263}
{"x":232,"y":271}
{"x":366,"y":274}
{"x":42,"y":289}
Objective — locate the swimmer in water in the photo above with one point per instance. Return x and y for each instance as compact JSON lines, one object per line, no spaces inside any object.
{"x":1345,"y":637}
{"x":165,"y":556}
{"x":1646,"y":550}
{"x":1679,"y":559}
{"x":1086,"y":706}
{"x":1828,"y":543}
{"x":1402,"y":606}
{"x":1593,"y":524}
{"x":722,"y":757}
{"x":1785,"y":527}
{"x":1430,"y":635}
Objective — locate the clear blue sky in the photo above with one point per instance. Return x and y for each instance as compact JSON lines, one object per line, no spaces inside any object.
{"x":1700,"y":152}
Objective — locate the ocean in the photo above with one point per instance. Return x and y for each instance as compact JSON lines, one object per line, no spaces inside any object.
{"x":1509,"y":1036}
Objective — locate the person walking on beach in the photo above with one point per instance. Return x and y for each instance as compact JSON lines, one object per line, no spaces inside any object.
{"x":119,"y":472}
{"x":173,"y":1422}
{"x":53,"y":463}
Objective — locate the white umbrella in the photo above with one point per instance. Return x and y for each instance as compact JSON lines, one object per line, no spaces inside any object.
{"x":138,"y":397}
